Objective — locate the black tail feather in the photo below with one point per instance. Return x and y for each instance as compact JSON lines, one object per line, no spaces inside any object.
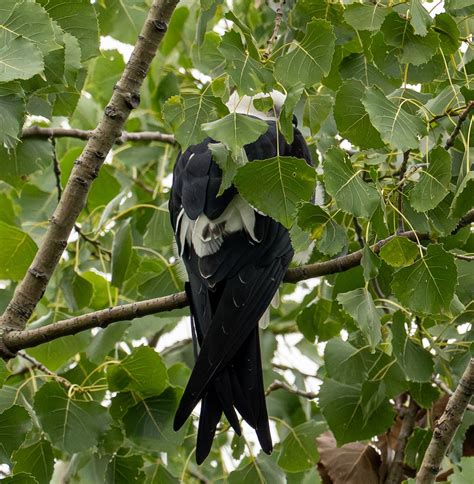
{"x":210,"y":415}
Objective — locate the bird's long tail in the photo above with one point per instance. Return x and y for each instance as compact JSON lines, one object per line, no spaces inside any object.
{"x":238,"y":386}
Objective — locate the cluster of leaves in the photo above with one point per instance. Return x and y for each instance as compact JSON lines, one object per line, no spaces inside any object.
{"x":389,"y":79}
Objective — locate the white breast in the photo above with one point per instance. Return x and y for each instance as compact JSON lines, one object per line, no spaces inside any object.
{"x":206,"y":235}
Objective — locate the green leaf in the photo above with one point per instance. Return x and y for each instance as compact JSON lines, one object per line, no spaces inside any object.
{"x":104,"y":72}
{"x":18,"y":250}
{"x":149,"y":424}
{"x":449,"y":35}
{"x":449,"y":98}
{"x":360,"y":306}
{"x":158,"y":474}
{"x":121,"y":254}
{"x":428,"y":285}
{"x":397,"y":128}
{"x":247,"y":72}
{"x":465,"y":473}
{"x":399,"y":252}
{"x":288,"y":181}
{"x":226,"y":163}
{"x":415,"y":361}
{"x":419,"y":18}
{"x":463,"y":200}
{"x":416,"y":447}
{"x":77,"y":291}
{"x":12,"y":112}
{"x":415,"y":49}
{"x":15,"y":423}
{"x":27,"y":19}
{"x":72,"y":424}
{"x":258,"y":470}
{"x":316,"y":110}
{"x":21,"y":478}
{"x":293,"y":95}
{"x":330,"y":236}
{"x":207,"y":57}
{"x":362,"y":16}
{"x":36,"y":459}
{"x":20,"y":59}
{"x":351,"y":193}
{"x":351,"y":117}
{"x":370,"y":263}
{"x":321,"y":319}
{"x":186,"y":115}
{"x":78,"y":18}
{"x":341,"y":405}
{"x":311,"y":58}
{"x":143,"y":371}
{"x":298,"y":450}
{"x":424,"y":393}
{"x":30,"y":156}
{"x":433,"y":184}
{"x":124,"y":469}
{"x":235,"y":131}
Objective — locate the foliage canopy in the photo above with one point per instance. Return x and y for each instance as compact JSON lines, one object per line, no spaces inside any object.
{"x":380,"y":91}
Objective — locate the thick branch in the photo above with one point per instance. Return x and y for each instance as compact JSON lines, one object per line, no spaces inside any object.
{"x":39,"y":132}
{"x":16,"y":340}
{"x":126,"y":96}
{"x":446,"y":427}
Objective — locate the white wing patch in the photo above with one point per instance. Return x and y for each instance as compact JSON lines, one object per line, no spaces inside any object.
{"x":206,"y":235}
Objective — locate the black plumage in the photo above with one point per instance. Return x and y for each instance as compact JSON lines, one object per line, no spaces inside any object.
{"x":231,"y":284}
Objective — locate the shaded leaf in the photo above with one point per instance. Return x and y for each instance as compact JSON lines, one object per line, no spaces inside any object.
{"x":18,"y":250}
{"x":310,"y":59}
{"x":351,"y":193}
{"x":36,"y":459}
{"x":351,"y":117}
{"x":15,"y":423}
{"x":416,"y":362}
{"x":362,"y":16}
{"x":72,"y":424}
{"x":121,"y":254}
{"x":298,"y":450}
{"x":143,"y":371}
{"x":149,"y":424}
{"x":360,"y":306}
{"x":433,"y":184}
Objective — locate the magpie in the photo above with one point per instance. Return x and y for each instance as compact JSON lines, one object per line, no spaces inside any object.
{"x":235,"y":258}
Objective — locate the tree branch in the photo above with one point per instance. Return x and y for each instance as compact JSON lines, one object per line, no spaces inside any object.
{"x":462,"y":117}
{"x":443,"y":387}
{"x":446,"y":427}
{"x":395,"y":474}
{"x":126,"y":96}
{"x":277,"y":385}
{"x":39,"y":132}
{"x":15,"y":340}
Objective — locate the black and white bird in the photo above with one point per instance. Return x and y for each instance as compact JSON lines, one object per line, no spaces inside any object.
{"x":235,"y":258}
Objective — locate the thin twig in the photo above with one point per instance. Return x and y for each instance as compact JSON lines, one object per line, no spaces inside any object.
{"x":57,"y":170}
{"x":280,"y":385}
{"x":443,"y":387}
{"x":39,"y":366}
{"x":401,"y":175}
{"x":176,"y":346}
{"x":462,"y":117}
{"x":276,"y":28}
{"x":40,"y":132}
